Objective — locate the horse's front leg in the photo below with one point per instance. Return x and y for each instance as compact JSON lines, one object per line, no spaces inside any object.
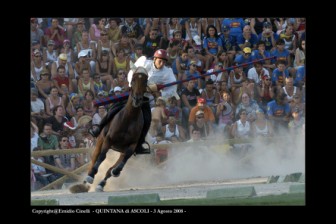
{"x":117,"y":167}
{"x":115,"y":171}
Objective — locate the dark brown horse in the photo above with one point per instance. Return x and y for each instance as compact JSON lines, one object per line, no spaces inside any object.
{"x":121,"y":134}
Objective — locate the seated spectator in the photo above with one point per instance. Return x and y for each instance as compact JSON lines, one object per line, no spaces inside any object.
{"x":65,"y":161}
{"x":173,"y":129}
{"x":97,"y":117}
{"x":261,"y":127}
{"x":296,"y":125}
{"x":208,"y":114}
{"x":57,"y":120}
{"x":39,"y":171}
{"x":210,"y":95}
{"x":195,"y":136}
{"x":250,"y":106}
{"x":202,"y":125}
{"x":241,"y":129}
{"x":174,"y":109}
{"x":190,"y":95}
{"x":278,"y":112}
{"x":225,"y":112}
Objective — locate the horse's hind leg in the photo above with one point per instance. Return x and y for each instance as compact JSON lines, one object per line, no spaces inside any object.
{"x":115,"y":171}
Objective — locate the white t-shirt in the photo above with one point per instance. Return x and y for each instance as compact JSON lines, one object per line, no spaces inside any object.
{"x":33,"y":141}
{"x":37,"y":105}
{"x":253,"y":75}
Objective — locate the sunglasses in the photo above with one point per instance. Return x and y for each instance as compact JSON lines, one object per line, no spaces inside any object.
{"x":200,"y":117}
{"x":65,"y":140}
{"x":103,"y":34}
{"x":193,"y":65}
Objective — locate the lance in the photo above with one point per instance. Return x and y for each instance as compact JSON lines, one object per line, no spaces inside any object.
{"x":123,"y":96}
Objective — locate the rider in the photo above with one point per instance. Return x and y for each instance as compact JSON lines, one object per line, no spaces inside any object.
{"x":158,"y":73}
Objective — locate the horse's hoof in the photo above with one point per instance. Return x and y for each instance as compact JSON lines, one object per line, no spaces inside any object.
{"x":113,"y":174}
{"x":99,"y":188}
{"x":88,"y":179}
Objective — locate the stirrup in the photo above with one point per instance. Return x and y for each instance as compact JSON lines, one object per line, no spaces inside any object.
{"x":92,"y":132}
{"x":142,"y":150}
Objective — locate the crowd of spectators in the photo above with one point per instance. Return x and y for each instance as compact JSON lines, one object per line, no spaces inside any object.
{"x":77,"y":60}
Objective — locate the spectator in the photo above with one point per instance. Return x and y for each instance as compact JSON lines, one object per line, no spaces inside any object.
{"x":195,"y":136}
{"x":202,"y":125}
{"x":261,"y":127}
{"x":173,"y":129}
{"x":65,"y":161}
{"x":278,"y":112}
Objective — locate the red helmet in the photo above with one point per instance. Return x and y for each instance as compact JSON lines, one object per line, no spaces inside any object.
{"x":161,"y":54}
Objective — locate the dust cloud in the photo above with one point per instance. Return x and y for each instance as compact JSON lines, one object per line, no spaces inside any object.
{"x":207,"y":161}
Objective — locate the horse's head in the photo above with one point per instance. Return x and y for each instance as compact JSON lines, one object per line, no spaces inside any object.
{"x":139,"y":86}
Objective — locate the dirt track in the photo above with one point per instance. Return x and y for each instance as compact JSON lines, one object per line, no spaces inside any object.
{"x":188,"y":173}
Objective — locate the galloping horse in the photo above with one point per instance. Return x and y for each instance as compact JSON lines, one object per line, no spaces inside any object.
{"x":121,"y":134}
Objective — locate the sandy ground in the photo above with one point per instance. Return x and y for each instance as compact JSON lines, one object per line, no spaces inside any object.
{"x":188,"y":173}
